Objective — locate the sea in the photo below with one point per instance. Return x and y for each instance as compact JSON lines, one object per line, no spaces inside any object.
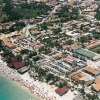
{"x":11,"y":91}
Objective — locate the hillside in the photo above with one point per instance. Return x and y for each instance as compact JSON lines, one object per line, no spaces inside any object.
{"x":10,"y":12}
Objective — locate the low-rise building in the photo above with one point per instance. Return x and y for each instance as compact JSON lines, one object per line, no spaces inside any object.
{"x":71,"y":61}
{"x":85,"y":53}
{"x":62,"y":91}
{"x":10,"y":45}
{"x":81,"y":78}
{"x":92,"y":71}
{"x":96,"y":85}
{"x":73,"y":34}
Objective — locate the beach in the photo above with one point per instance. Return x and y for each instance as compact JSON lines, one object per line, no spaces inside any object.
{"x":40,"y":89}
{"x":11,"y":91}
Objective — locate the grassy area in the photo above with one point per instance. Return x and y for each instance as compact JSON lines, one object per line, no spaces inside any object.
{"x":24,"y":10}
{"x":27,"y":13}
{"x":97,"y":49}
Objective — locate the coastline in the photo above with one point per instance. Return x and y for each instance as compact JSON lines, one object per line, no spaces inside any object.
{"x":20,"y":90}
{"x":42,"y":90}
{"x":14,"y":76}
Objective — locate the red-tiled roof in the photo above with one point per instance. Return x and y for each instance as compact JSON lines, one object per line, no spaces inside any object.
{"x":18,"y":65}
{"x":10,"y":65}
{"x":62,"y":90}
{"x":10,"y":45}
{"x":13,"y":59}
{"x":90,"y":70}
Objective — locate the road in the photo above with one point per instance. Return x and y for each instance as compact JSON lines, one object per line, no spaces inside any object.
{"x":44,"y":19}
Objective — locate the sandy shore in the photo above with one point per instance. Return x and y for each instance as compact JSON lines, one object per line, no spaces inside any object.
{"x":47,"y":90}
{"x":42,"y":90}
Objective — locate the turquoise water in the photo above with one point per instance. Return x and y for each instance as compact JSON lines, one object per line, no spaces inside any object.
{"x":10,"y":91}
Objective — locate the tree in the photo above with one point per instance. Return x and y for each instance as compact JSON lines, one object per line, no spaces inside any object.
{"x":83,"y":39}
{"x":89,"y":37}
{"x":49,"y":77}
{"x":31,"y":54}
{"x":19,"y":58}
{"x":57,"y":30}
{"x":7,"y":10}
{"x":41,"y":72}
{"x":36,"y":58}
{"x":96,"y":35}
{"x":91,"y":97}
{"x":97,"y":16}
{"x":17,"y":26}
{"x":44,"y":26}
{"x":69,"y":42}
{"x":82,"y":90}
{"x":24,"y":51}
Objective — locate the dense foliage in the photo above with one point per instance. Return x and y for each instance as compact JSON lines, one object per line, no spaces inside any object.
{"x":97,"y":16}
{"x":68,"y":13}
{"x":12,"y":12}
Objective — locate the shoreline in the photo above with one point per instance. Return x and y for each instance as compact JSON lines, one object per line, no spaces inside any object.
{"x":41,"y":89}
{"x":20,"y":85}
{"x":15,"y":77}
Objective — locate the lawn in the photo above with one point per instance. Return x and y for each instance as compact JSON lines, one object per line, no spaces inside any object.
{"x":96,"y":49}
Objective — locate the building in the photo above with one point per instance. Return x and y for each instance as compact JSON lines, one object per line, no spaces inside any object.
{"x":5,"y":40}
{"x":10,"y":45}
{"x":73,"y":34}
{"x":71,"y":61}
{"x":76,"y":75}
{"x":62,"y":91}
{"x":14,"y":63}
{"x":96,"y":85}
{"x":35,"y":32}
{"x":87,"y":80}
{"x":18,"y":65}
{"x":58,"y":55}
{"x":73,"y":48}
{"x":23,"y":69}
{"x":81,"y":78}
{"x":92,"y":71}
{"x":85,"y":53}
{"x":93,"y":44}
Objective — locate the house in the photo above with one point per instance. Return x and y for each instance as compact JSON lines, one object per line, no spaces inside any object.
{"x":23,"y":69}
{"x":97,"y":57}
{"x":18,"y":65}
{"x":10,"y":45}
{"x":5,"y":40}
{"x":76,"y":75}
{"x":58,"y":55}
{"x":92,"y":44}
{"x":71,"y":61}
{"x":87,"y":80}
{"x":18,"y":49}
{"x":35,"y":32}
{"x":92,"y":71}
{"x":73,"y":34}
{"x":37,"y":45}
{"x":14,"y":63}
{"x":62,"y":91}
{"x":73,"y":48}
{"x":96,"y":85}
{"x":82,"y":78}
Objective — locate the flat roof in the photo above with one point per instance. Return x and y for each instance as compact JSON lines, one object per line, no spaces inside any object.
{"x":90,"y":70}
{"x":77,"y":75}
{"x":86,"y":53}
